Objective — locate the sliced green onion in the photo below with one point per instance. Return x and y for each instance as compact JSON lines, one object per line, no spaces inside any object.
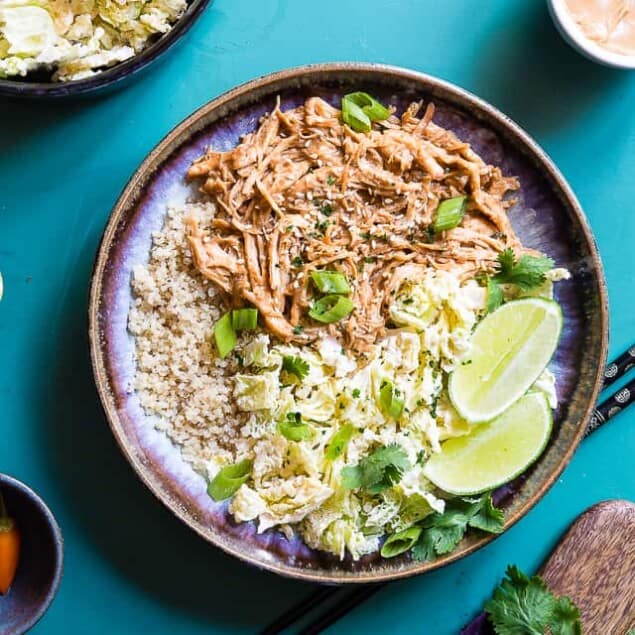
{"x":339,"y":441}
{"x":449,"y":213}
{"x":294,"y":429}
{"x":390,"y":401}
{"x":224,"y":335}
{"x":331,"y":308}
{"x":245,"y":319}
{"x":370,"y":106}
{"x":295,"y":366}
{"x":400,"y":542}
{"x":330,"y":281}
{"x":227,"y":482}
{"x":354,"y":116}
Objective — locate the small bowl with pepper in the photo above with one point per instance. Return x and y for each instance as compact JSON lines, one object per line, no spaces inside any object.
{"x":31,"y":556}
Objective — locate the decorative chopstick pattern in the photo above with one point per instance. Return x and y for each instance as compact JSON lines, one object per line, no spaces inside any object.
{"x":607,"y":409}
{"x":619,"y":367}
{"x":611,"y":406}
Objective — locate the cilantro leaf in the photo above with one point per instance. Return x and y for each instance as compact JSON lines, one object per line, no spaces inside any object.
{"x":520,"y":605}
{"x":566,"y":618}
{"x":525,"y":606}
{"x":377,"y":471}
{"x":494,"y":294}
{"x":526,"y":273}
{"x":443,"y":532}
{"x":424,"y":549}
{"x":446,"y":539}
{"x":506,"y":260}
{"x":488,"y":517}
{"x":295,"y":366}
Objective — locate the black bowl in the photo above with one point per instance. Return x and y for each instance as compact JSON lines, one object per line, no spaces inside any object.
{"x":41,"y":559}
{"x":38,"y":86}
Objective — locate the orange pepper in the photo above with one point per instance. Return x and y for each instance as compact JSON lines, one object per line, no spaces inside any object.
{"x":9,"y":548}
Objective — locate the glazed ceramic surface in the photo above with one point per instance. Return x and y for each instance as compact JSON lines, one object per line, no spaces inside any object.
{"x":38,"y":85}
{"x":41,"y":559}
{"x":547,"y":217}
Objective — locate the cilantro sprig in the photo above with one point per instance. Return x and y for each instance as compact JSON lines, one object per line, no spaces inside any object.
{"x":528,"y":272}
{"x":525,"y":606}
{"x":442,"y":532}
{"x":295,"y":365}
{"x":377,"y":471}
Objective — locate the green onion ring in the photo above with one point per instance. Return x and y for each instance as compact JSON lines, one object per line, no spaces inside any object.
{"x":331,"y":308}
{"x":330,"y":281}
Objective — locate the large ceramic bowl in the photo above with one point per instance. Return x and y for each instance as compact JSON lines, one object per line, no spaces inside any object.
{"x":548,"y":217}
{"x":39,"y":86}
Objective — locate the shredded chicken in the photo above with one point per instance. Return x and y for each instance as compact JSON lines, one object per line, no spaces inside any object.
{"x":306,"y":192}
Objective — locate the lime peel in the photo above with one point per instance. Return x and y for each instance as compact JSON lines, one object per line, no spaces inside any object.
{"x":511,"y":347}
{"x":493,"y":453}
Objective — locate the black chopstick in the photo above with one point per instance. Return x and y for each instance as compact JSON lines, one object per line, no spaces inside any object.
{"x":611,"y":406}
{"x":619,"y":367}
{"x":340,"y":609}
{"x":300,"y":609}
{"x":607,"y":409}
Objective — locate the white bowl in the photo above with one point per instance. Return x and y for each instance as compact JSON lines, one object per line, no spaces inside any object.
{"x":572,"y":33}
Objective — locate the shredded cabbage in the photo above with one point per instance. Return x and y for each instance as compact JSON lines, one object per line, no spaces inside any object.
{"x":295,"y":484}
{"x":78,"y":37}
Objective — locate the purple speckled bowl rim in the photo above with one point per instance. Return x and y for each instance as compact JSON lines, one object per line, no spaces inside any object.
{"x":10,"y":482}
{"x":147,"y":469}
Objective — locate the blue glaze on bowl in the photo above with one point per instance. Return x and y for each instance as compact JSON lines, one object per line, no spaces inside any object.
{"x":111,"y":78}
{"x":41,"y":559}
{"x":546,"y":217}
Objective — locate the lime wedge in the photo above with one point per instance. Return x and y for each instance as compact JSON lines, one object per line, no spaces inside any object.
{"x":493,"y":453}
{"x":510,"y":349}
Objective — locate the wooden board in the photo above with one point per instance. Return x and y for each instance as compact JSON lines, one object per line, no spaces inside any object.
{"x":594,"y":564}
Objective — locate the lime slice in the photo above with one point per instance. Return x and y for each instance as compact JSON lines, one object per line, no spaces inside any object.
{"x":510,"y":349}
{"x":493,"y":453}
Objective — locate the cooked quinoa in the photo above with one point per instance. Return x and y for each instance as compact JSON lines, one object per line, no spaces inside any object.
{"x":179,"y":378}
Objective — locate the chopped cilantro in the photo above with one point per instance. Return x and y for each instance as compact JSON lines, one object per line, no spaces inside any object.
{"x":428,"y":234}
{"x":295,"y":366}
{"x":298,"y":329}
{"x":356,"y":393}
{"x":294,"y":417}
{"x":433,"y":406}
{"x":526,"y":273}
{"x":377,"y":471}
{"x":443,"y":532}
{"x":369,"y":259}
{"x":322,"y":226}
{"x":326,"y":209}
{"x":494,"y":295}
{"x":297,"y":261}
{"x":330,"y":180}
{"x":525,"y":605}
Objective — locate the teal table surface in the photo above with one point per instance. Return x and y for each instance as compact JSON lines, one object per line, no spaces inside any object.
{"x":130,"y":566}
